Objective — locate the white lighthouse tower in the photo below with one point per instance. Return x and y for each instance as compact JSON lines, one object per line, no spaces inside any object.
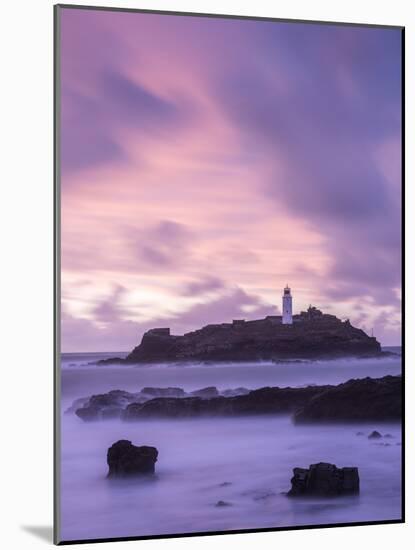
{"x":287,"y":307}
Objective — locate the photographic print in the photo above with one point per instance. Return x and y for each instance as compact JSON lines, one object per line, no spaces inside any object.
{"x":228,"y":274}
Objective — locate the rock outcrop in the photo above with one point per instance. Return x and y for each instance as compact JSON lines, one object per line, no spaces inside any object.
{"x":207,"y":393}
{"x":163,"y":392}
{"x":125,"y":459}
{"x":356,"y":400}
{"x":361,"y":400}
{"x":375,"y":435}
{"x":324,"y":479}
{"x":112,"y":404}
{"x":77,"y":404}
{"x":106,"y":405}
{"x":262,"y":401}
{"x":312,"y":335}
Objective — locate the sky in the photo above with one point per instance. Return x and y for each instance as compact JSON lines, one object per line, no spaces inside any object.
{"x":206,"y":163}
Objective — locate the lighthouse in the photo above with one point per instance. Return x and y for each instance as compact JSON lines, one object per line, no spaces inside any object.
{"x":287,"y":307}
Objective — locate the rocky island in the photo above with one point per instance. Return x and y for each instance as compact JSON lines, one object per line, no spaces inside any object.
{"x":311,"y":334}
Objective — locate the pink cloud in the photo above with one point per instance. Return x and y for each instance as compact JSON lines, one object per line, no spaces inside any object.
{"x":200,"y":156}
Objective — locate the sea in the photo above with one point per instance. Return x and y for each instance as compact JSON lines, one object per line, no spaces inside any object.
{"x":244,"y":463}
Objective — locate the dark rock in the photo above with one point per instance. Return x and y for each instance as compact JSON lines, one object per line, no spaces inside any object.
{"x":111,"y":404}
{"x":324,"y":479}
{"x":236,"y":391}
{"x":312,"y":335}
{"x":360,"y":433}
{"x":353,"y":401}
{"x":106,"y":405}
{"x":163,"y":392}
{"x":111,"y":412}
{"x":208,"y":392}
{"x":171,"y":407}
{"x":356,"y":400}
{"x":109,"y":361}
{"x":77,"y":404}
{"x":262,"y":401}
{"x":125,"y":459}
{"x":225,"y":484}
{"x":222,"y":503}
{"x":88,"y":413}
{"x":378,"y":399}
{"x":388,"y":436}
{"x":374,"y":435}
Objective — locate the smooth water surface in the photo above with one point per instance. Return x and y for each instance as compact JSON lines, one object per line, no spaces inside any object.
{"x":246,"y":462}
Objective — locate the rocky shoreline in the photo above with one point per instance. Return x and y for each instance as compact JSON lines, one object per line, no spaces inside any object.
{"x":367,"y":399}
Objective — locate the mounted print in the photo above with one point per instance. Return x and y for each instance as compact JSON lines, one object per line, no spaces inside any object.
{"x":228,"y":274}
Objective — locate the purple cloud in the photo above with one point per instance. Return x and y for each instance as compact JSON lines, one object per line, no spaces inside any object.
{"x":233,"y":304}
{"x":165,"y":245}
{"x":207,"y":284}
{"x":85,"y":139}
{"x":121,"y":334}
{"x":303,"y":120}
{"x":323,"y":141}
{"x":90,"y":122}
{"x":110,"y":310}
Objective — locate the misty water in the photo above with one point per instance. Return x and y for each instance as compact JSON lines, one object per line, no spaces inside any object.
{"x":246,"y":462}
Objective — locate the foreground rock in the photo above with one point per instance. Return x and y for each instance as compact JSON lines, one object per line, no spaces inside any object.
{"x":324,"y":479}
{"x":313,"y":334}
{"x":125,"y":459}
{"x":262,"y":401}
{"x":355,"y":401}
{"x":112,"y":404}
{"x":163,"y":392}
{"x":236,"y":391}
{"x":210,"y":391}
{"x":106,"y":405}
{"x":77,"y":404}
